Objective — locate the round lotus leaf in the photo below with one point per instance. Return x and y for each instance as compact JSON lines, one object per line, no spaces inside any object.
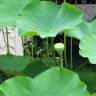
{"x":53,"y":82}
{"x":10,"y":10}
{"x":47,"y":19}
{"x":88,"y":43}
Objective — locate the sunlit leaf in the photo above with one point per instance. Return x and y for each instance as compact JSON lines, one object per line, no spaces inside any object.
{"x":53,"y":82}
{"x":88,"y":43}
{"x":10,"y":10}
{"x":47,"y":19}
{"x":86,"y":33}
{"x":79,"y":32}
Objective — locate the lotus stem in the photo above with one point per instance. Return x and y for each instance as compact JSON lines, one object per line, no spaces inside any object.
{"x":52,"y":43}
{"x":47,"y":48}
{"x":65,"y":58}
{"x":71,"y":54}
{"x":26,"y":49}
{"x":22,"y":43}
{"x":32,"y":47}
{"x":61,"y":61}
{"x":7,"y":38}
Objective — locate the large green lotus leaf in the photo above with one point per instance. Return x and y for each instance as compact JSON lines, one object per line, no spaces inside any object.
{"x":88,"y":43}
{"x":86,"y":33}
{"x":53,"y":82}
{"x":79,"y":32}
{"x":10,"y":10}
{"x":10,"y":63}
{"x":47,"y":19}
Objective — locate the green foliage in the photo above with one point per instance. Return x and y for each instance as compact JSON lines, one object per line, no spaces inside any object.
{"x":47,"y":19}
{"x":87,"y":43}
{"x":86,"y":33}
{"x":35,"y":68}
{"x":55,"y":81}
{"x":89,"y":77}
{"x":12,"y":64}
{"x":79,"y":32}
{"x":94,"y":94}
{"x":10,"y":10}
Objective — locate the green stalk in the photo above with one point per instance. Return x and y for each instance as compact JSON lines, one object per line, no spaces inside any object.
{"x":71,"y":49}
{"x":26,"y":49}
{"x":71,"y":55}
{"x":65,"y":58}
{"x":52,"y":44}
{"x":32,"y":46}
{"x":61,"y":61}
{"x":22,"y":42}
{"x":47,"y":48}
{"x":7,"y":37}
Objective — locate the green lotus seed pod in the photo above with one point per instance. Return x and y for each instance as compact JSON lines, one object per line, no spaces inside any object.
{"x":59,"y":47}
